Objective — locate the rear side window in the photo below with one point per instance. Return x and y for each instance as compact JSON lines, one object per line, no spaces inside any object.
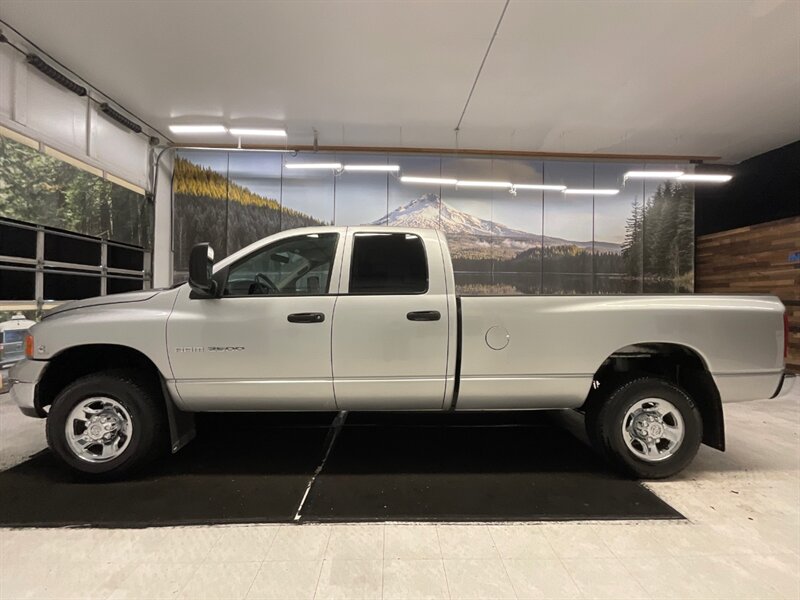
{"x":388,"y":263}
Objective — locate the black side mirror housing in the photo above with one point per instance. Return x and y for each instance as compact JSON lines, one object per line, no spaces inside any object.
{"x":201,"y":266}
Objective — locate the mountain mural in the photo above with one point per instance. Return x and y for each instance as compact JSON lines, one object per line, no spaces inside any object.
{"x":429,"y":212}
{"x":489,"y":257}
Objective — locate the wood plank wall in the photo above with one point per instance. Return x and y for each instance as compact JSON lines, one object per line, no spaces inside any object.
{"x":755,"y":259}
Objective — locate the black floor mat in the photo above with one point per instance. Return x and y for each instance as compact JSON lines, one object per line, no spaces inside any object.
{"x":240,"y":469}
{"x":471,"y":467}
{"x":249,"y":468}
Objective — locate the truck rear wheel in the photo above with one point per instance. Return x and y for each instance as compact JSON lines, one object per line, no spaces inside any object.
{"x":648,"y":427}
{"x":107,"y":424}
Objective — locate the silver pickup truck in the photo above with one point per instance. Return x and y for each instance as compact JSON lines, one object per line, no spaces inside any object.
{"x":367,"y":318}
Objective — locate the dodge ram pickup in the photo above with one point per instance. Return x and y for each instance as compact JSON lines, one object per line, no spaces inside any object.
{"x":367,"y":318}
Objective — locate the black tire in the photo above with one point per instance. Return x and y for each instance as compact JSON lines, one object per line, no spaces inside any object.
{"x":143,"y":401}
{"x":607,"y":425}
{"x":597,"y":397}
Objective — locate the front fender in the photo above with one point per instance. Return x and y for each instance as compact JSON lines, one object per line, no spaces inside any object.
{"x":137,"y":325}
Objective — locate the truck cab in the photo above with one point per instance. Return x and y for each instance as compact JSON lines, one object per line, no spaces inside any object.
{"x":301,"y":322}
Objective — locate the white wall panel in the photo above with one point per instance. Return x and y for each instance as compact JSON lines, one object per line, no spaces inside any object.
{"x":124,"y":152}
{"x":38,"y":107}
{"x":56,"y":111}
{"x":7,"y":56}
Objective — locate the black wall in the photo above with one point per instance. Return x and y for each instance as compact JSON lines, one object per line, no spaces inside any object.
{"x":764,"y":188}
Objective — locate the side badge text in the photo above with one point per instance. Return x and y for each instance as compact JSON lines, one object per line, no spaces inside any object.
{"x":195,"y":349}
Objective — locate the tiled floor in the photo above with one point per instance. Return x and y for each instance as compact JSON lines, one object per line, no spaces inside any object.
{"x":741,"y":540}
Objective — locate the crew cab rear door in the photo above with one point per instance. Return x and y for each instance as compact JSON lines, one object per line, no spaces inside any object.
{"x":391,"y":322}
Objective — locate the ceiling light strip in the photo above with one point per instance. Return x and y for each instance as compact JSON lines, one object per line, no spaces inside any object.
{"x":537,"y":186}
{"x":653,"y":174}
{"x":249,"y":131}
{"x":334,"y":166}
{"x":705,"y":177}
{"x":483,"y":184}
{"x":431,"y":180}
{"x":225,"y":149}
{"x":590,"y":192}
{"x":384,"y":168}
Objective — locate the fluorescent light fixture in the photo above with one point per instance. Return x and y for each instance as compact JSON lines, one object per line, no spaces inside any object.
{"x":217,"y":149}
{"x":257,"y":132}
{"x":197,"y":128}
{"x":433,"y":180}
{"x":391,"y":168}
{"x":705,"y":177}
{"x":537,"y":186}
{"x":653,"y":174}
{"x":334,"y":166}
{"x":588,"y":192}
{"x":484,"y":184}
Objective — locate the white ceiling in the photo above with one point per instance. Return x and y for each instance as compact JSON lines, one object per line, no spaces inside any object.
{"x":677,"y":77}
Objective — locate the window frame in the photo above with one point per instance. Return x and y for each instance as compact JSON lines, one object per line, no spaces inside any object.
{"x":229,"y":268}
{"x":355,"y":235}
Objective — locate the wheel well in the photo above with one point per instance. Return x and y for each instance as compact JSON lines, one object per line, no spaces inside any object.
{"x":72,"y":363}
{"x":675,"y":363}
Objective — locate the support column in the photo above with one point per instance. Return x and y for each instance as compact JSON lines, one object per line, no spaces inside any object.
{"x":162,"y":227}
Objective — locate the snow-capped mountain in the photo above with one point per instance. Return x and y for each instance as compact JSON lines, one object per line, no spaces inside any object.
{"x":428,"y":212}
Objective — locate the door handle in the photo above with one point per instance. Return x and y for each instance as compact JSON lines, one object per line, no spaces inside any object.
{"x":310,"y":317}
{"x":424,"y":315}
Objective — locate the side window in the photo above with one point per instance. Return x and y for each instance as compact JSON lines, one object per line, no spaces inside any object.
{"x":388,"y":263}
{"x":298,"y":266}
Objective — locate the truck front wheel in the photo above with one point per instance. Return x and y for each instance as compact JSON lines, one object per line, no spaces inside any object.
{"x":649,"y":427}
{"x":107,"y":424}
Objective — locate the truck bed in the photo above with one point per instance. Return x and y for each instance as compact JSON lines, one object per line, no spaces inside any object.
{"x":555,"y":344}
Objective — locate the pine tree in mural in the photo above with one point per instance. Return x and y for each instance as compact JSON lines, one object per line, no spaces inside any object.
{"x":211,"y":208}
{"x":632,"y":245}
{"x":661,"y":236}
{"x":685,"y":233}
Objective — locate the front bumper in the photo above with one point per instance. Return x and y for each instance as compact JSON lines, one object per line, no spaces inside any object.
{"x":24,"y":377}
{"x":788,"y":380}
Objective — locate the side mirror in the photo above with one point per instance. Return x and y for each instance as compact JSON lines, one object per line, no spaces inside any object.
{"x":201,"y":265}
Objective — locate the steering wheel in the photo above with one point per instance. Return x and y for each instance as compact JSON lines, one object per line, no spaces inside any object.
{"x":266,"y":284}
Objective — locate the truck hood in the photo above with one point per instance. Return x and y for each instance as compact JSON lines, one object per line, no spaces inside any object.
{"x":138,"y":296}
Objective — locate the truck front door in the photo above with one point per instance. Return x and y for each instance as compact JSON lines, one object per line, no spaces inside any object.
{"x":391,"y":323}
{"x":266,"y":343}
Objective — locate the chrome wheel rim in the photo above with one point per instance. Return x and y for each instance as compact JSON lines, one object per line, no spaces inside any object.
{"x":98,"y":429}
{"x":653,"y":429}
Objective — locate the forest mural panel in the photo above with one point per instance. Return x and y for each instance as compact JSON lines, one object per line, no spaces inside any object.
{"x":39,"y":188}
{"x":531,"y":242}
